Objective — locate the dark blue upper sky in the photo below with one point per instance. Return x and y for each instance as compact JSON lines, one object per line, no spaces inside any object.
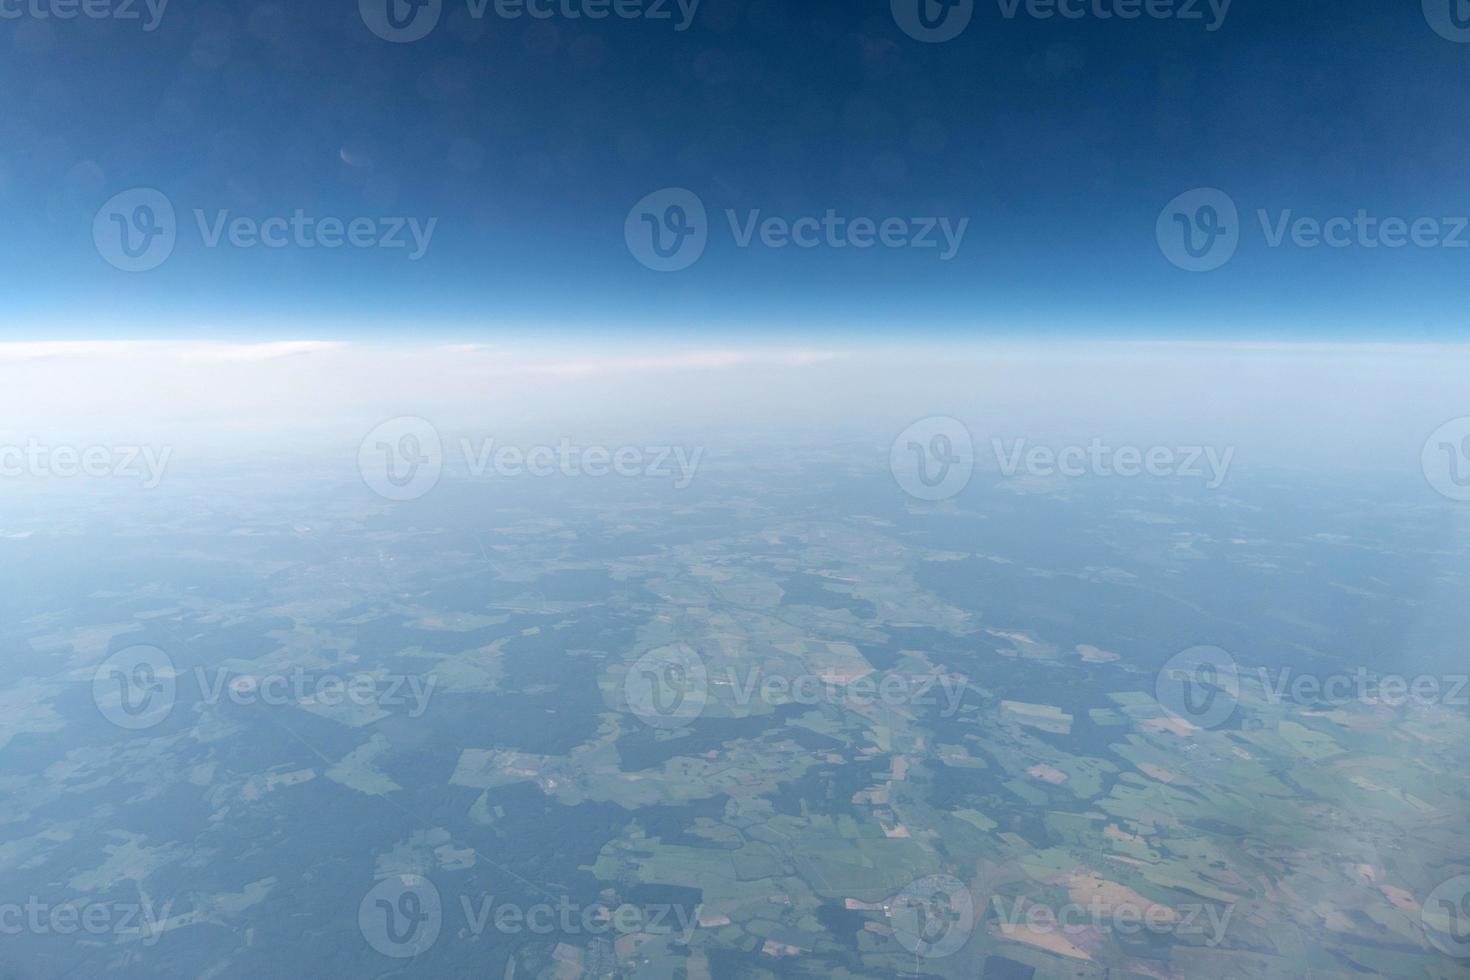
{"x":1061,"y":140}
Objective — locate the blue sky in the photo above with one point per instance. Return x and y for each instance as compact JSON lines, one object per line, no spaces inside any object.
{"x":526,"y":142}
